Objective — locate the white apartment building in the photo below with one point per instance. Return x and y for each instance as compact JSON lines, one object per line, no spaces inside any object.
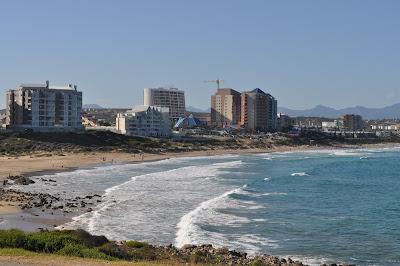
{"x":332,"y":125}
{"x":42,"y":108}
{"x":171,"y":98}
{"x":145,"y":121}
{"x":386,"y":127}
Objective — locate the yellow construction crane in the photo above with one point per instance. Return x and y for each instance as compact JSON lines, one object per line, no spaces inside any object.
{"x":218,"y":81}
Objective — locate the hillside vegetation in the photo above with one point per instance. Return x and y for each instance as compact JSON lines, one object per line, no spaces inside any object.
{"x":78,"y":243}
{"x":88,"y":141}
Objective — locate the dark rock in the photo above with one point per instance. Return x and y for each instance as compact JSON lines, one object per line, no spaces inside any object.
{"x":188,"y":246}
{"x":22,"y":180}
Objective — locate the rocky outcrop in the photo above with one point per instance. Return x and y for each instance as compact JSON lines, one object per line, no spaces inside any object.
{"x":20,"y":180}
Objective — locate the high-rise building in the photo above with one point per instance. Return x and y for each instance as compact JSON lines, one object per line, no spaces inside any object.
{"x":39,"y":107}
{"x":146,"y":121}
{"x":171,"y":98}
{"x":353,"y":122}
{"x":259,"y":111}
{"x":225,"y":108}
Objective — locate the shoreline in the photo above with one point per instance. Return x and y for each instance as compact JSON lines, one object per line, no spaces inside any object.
{"x":47,"y":163}
{"x":38,"y":165}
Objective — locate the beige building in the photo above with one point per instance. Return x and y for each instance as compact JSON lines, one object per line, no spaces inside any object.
{"x":39,"y":107}
{"x":171,"y":98}
{"x":145,"y":121}
{"x":258,"y":111}
{"x":225,"y":108}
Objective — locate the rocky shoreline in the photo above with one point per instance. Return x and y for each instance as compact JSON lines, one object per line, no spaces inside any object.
{"x":44,"y":201}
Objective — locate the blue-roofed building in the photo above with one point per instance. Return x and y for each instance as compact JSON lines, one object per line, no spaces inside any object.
{"x":188,"y":122}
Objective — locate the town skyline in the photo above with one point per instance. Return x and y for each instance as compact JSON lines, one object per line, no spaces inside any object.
{"x":304,"y":53}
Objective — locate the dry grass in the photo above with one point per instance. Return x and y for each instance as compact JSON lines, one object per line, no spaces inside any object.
{"x":13,"y":257}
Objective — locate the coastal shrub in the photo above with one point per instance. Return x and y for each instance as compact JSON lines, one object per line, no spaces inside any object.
{"x":135,"y":244}
{"x":78,"y":250}
{"x":88,"y":239}
{"x":50,"y":241}
{"x":12,"y":238}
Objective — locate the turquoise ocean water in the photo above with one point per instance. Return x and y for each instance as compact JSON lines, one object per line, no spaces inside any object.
{"x":317,"y":206}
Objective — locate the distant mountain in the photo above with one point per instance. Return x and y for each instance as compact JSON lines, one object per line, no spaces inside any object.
{"x":197,"y":110}
{"x":388,"y":112}
{"x":91,"y":106}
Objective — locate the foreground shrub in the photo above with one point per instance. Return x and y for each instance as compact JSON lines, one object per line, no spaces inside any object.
{"x":88,"y":239}
{"x":51,"y":241}
{"x":135,"y":244}
{"x":48,"y":241}
{"x":12,"y":239}
{"x":78,"y":250}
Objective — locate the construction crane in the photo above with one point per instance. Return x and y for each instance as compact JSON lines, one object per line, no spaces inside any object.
{"x":218,"y":81}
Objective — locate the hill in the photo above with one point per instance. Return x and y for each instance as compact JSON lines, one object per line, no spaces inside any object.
{"x":388,"y":112}
{"x":91,"y":106}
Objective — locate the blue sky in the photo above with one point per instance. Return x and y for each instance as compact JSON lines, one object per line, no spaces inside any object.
{"x":336,"y":53}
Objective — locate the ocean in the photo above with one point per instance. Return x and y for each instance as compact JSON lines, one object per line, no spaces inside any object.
{"x":316,"y":206}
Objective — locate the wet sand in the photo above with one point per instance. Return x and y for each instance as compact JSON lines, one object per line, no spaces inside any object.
{"x":8,"y":208}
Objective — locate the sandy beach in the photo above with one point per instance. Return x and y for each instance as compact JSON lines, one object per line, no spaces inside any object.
{"x":35,"y":164}
{"x":8,"y":208}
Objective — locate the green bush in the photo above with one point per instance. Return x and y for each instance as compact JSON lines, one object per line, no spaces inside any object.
{"x":51,"y":241}
{"x":12,"y":238}
{"x":135,"y":244}
{"x":88,"y":239}
{"x":78,"y":250}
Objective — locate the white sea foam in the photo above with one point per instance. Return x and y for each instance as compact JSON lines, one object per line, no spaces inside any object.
{"x":188,"y":229}
{"x":275,"y":194}
{"x":117,"y":200}
{"x":300,"y":174}
{"x":348,"y":153}
{"x":207,"y":213}
{"x":267,"y":178}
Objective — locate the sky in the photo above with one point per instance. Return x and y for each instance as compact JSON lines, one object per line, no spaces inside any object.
{"x":337,"y":53}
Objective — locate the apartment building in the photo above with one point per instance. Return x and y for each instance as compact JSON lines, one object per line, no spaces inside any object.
{"x":39,"y":107}
{"x":353,"y":122}
{"x":258,"y":111}
{"x":171,"y":98}
{"x":225,"y":108}
{"x":145,"y":121}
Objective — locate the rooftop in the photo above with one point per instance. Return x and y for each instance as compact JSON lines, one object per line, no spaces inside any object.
{"x":47,"y":85}
{"x":31,"y":85}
